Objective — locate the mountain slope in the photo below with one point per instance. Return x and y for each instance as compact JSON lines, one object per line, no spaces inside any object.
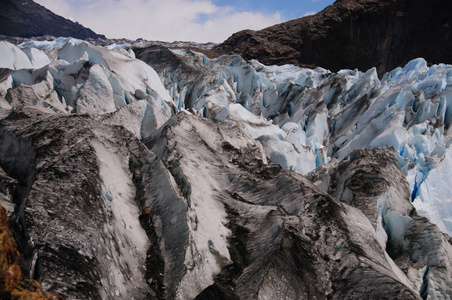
{"x":353,"y":34}
{"x":27,"y":19}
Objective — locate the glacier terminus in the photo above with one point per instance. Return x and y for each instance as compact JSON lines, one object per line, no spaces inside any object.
{"x":136,"y":171}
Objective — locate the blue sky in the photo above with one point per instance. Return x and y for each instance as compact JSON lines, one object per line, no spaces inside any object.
{"x":180,"y":20}
{"x":289,"y":9}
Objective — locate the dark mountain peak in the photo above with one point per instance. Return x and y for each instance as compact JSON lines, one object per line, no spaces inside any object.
{"x":25,"y":18}
{"x":353,"y":34}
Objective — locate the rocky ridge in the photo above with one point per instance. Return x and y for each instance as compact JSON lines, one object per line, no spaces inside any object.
{"x":29,"y":19}
{"x":353,"y":34}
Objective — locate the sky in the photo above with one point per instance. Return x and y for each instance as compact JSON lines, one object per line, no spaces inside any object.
{"x":181,"y":20}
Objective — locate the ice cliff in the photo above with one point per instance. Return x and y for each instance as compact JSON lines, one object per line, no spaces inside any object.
{"x":156,"y":173}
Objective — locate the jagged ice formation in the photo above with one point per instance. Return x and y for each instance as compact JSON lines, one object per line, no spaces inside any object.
{"x":179,"y":177}
{"x":306,"y":117}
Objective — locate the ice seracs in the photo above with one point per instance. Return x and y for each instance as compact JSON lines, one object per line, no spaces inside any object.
{"x":302,"y":117}
{"x":11,"y":57}
{"x":84,"y":79}
{"x":369,"y":180}
{"x":327,"y":115}
{"x":37,"y":57}
{"x":179,"y":151}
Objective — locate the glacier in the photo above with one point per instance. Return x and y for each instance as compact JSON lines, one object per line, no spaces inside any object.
{"x":309,"y":117}
{"x":82,"y":78}
{"x":211,"y":130}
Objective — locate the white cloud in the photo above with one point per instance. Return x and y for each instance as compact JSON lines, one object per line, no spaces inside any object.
{"x":59,"y":7}
{"x":170,"y":20}
{"x":309,"y":13}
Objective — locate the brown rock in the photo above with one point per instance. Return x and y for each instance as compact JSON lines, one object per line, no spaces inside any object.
{"x":28,"y":19}
{"x":10,"y":274}
{"x":11,"y":284}
{"x":353,"y":34}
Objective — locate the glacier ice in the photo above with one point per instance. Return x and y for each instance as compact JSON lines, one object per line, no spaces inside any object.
{"x":433,"y":198}
{"x":37,"y":57}
{"x":303,"y":118}
{"x":116,"y":184}
{"x":409,"y":109}
{"x":369,"y":180}
{"x":70,"y":75}
{"x":11,"y":57}
{"x":97,"y":94}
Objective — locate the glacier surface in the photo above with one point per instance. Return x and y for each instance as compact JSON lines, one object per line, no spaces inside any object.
{"x":304,"y":118}
{"x":210,"y":124}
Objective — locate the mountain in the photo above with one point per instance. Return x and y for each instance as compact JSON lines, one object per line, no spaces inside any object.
{"x":28,"y":19}
{"x":176,"y":176}
{"x":353,"y":34}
